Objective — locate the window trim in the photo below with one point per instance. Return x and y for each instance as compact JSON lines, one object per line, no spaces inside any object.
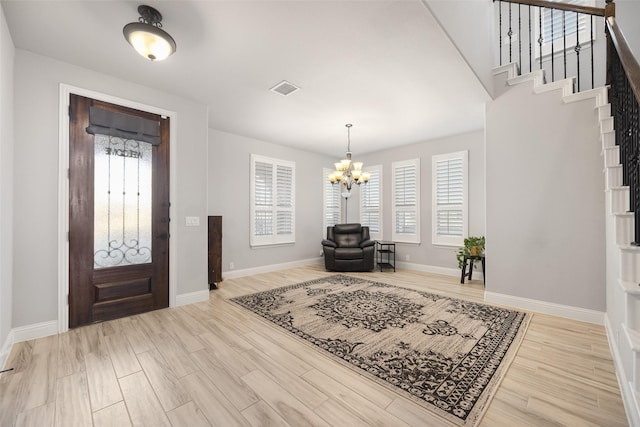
{"x":335,"y":187}
{"x":374,"y":235}
{"x":584,"y":35}
{"x":437,"y":239}
{"x":405,"y":237}
{"x":273,"y":239}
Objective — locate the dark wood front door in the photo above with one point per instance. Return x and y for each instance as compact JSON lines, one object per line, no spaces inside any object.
{"x":118,"y":219}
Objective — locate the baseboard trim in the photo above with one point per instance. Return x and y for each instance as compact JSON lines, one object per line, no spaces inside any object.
{"x":269,"y":268}
{"x":423,"y":268}
{"x":6,"y":350}
{"x":37,"y":330}
{"x":575,"y":313}
{"x":626,"y":388}
{"x":445,"y":271}
{"x":192,"y":297}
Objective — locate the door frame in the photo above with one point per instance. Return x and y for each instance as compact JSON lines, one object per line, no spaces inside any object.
{"x":65,"y":91}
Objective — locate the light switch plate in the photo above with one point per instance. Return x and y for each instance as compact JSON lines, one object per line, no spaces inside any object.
{"x":192,"y":221}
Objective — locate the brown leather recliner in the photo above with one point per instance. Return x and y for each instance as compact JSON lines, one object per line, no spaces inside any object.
{"x":348,"y":247}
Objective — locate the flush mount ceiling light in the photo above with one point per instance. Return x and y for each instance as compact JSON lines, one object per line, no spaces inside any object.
{"x":147,"y":36}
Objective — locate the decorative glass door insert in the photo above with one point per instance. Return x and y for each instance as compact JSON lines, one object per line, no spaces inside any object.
{"x":122,"y":201}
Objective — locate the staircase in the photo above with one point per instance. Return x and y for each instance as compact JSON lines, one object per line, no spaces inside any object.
{"x":622,"y":318}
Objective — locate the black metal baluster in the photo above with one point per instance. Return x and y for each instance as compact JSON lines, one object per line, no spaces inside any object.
{"x":500,"y":30}
{"x":591,"y":42}
{"x":519,"y":39}
{"x":540,"y":38}
{"x":530,"y":56}
{"x":564,"y":43}
{"x":510,"y":33}
{"x":552,"y":48}
{"x":632,"y":134}
{"x":577,"y":49}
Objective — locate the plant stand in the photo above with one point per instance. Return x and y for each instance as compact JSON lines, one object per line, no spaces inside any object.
{"x":470,"y":259}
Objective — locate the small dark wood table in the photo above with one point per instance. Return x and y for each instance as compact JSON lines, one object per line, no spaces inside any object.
{"x":470,"y":259}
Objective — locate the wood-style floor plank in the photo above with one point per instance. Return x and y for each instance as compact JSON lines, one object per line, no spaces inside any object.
{"x":163,"y":381}
{"x":72,"y":402}
{"x":41,"y":416}
{"x":142,"y":403}
{"x":104,"y":389}
{"x":216,"y":364}
{"x":112,"y":416}
{"x":283,"y":402}
{"x":188,"y":415}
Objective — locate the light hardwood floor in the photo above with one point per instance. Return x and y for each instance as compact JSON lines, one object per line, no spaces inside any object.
{"x":213,"y":363}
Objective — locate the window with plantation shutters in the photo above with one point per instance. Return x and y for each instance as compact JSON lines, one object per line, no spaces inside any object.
{"x":332,"y":202}
{"x":449,"y":193}
{"x":371,"y":202}
{"x":406,"y":201}
{"x":272,"y":201}
{"x":577,"y":26}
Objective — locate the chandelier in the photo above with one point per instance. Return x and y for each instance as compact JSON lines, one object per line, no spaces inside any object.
{"x":348,"y":172}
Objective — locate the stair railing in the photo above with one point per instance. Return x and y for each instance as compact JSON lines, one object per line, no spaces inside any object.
{"x":552,"y":32}
{"x":623,"y":78}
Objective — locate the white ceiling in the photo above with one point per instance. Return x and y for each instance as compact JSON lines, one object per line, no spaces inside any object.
{"x":385,"y":66}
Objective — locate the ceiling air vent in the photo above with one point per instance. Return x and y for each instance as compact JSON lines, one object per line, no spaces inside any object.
{"x":284,"y":88}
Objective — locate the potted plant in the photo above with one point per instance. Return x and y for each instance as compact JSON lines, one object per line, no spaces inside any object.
{"x":473,"y":246}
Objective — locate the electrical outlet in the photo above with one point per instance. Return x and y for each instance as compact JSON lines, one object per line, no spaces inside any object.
{"x":192,"y":221}
{"x":231,"y":266}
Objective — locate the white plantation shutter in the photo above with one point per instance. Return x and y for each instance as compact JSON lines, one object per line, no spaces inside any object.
{"x":272,"y":201}
{"x":284,"y":190}
{"x":332,"y":202}
{"x":263,"y":193}
{"x":449,"y":180}
{"x":406,"y":201}
{"x":572,"y":23}
{"x":371,"y":202}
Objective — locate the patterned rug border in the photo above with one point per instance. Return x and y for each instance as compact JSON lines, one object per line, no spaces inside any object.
{"x":481,"y":405}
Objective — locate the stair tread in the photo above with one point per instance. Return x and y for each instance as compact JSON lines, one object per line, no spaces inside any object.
{"x":633,"y":337}
{"x":629,"y":247}
{"x":630,"y":287}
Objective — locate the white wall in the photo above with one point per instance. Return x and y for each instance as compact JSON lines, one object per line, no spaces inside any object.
{"x":229,"y":189}
{"x":7,"y":52}
{"x":469,"y":25}
{"x":426,"y":253}
{"x":627,"y":14}
{"x":545,"y":199}
{"x":37,"y":80}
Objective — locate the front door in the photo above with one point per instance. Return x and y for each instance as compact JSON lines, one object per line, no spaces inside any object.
{"x":118,"y":212}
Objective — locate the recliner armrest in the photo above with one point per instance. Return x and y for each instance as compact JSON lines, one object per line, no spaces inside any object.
{"x":329,"y":243}
{"x":366,"y":243}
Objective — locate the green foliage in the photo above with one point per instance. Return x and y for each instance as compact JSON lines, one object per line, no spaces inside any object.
{"x":472,"y":246}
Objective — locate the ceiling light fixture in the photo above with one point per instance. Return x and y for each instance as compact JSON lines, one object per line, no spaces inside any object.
{"x":348,"y":172}
{"x":147,"y":36}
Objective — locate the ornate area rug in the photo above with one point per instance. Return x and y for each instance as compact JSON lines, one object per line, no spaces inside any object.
{"x":447,"y":354}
